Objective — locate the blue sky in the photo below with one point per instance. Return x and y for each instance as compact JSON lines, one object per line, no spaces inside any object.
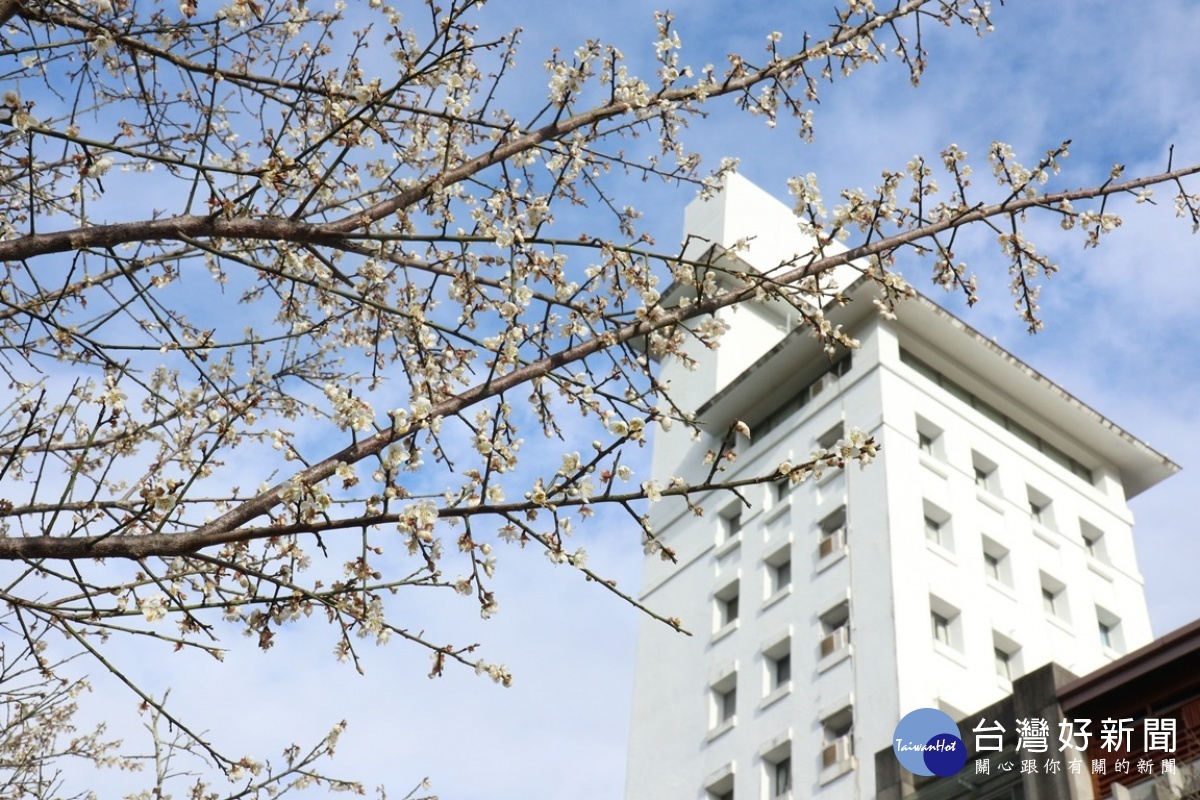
{"x":1118,"y":78}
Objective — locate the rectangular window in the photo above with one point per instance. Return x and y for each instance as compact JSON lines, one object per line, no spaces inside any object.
{"x":1093,"y":540}
{"x":995,"y":562}
{"x":1049,"y":602}
{"x":933,"y":530}
{"x":782,"y":667}
{"x":835,"y":629}
{"x":728,"y":705}
{"x":937,"y":527}
{"x":729,"y":610}
{"x":726,"y":605}
{"x":833,"y":533}
{"x":839,"y":742}
{"x":941,"y":628}
{"x":782,"y":575}
{"x":945,"y":623}
{"x":779,"y":571}
{"x":1054,"y":598}
{"x":724,"y":701}
{"x":781,"y":778}
{"x":1007,"y":657}
{"x":1003,"y":667}
{"x":1109,"y":627}
{"x":831,"y":436}
{"x":732,"y":524}
{"x":777,"y":661}
{"x":985,"y":472}
{"x":1040,"y":510}
{"x":929,"y":438}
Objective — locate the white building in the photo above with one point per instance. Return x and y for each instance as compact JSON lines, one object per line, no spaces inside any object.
{"x":992,"y":535}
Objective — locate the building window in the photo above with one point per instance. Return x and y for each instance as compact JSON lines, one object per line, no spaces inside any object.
{"x":724,"y":701}
{"x":833,"y":533}
{"x":779,"y":571}
{"x":832,"y":436}
{"x":1109,"y":627}
{"x":839,"y":741}
{"x":835,"y":629}
{"x":728,"y":704}
{"x":995,"y":562}
{"x":995,"y":415}
{"x":781,"y":669}
{"x":941,"y":628}
{"x":985,"y":472}
{"x":731,"y":525}
{"x":777,"y":769}
{"x":937,"y":527}
{"x":727,"y":605}
{"x":933,"y":530}
{"x":1040,"y":508}
{"x":1003,"y":665}
{"x":945,"y":624}
{"x":1054,"y":598}
{"x":777,"y":663}
{"x":719,"y":793}
{"x":1093,"y":540}
{"x":781,"y":778}
{"x":1007,"y":655}
{"x":929,"y":438}
{"x":722,"y":787}
{"x":1049,"y":601}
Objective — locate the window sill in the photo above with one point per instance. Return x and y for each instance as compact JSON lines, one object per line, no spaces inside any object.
{"x":777,"y":510}
{"x":935,"y":466}
{"x":725,"y":630}
{"x":941,"y":552}
{"x":729,"y":545}
{"x":1100,"y":568}
{"x":834,"y":771}
{"x":1060,"y":623}
{"x":990,"y":499}
{"x":1047,"y":535}
{"x":833,"y":659}
{"x":949,"y":653}
{"x":828,"y":561}
{"x":777,"y":694}
{"x":722,"y":728}
{"x":1002,"y":588}
{"x":779,"y":595}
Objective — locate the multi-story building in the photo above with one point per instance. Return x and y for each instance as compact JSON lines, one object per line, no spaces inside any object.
{"x":991,"y":536}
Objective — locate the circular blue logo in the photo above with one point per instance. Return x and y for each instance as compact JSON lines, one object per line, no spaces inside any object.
{"x":927,"y":742}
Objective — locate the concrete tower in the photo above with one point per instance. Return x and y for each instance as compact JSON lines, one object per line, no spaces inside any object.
{"x":991,"y":536}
